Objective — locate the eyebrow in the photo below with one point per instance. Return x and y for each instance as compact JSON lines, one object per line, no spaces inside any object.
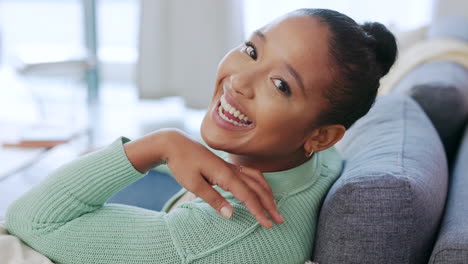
{"x":291,"y":70}
{"x":260,"y":34}
{"x":296,"y":76}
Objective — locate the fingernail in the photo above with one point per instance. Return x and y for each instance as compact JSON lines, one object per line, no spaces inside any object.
{"x":282,"y":218}
{"x":226,"y":212}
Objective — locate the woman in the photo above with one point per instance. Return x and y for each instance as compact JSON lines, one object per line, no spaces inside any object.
{"x":281,"y":101}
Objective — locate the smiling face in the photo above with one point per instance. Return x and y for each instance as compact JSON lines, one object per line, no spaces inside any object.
{"x":268,"y":93}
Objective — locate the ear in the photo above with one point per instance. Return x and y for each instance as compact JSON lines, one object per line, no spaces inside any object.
{"x":323,"y":138}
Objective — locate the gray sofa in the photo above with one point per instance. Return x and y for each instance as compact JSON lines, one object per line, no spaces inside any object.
{"x":401,"y":197}
{"x":386,"y":206}
{"x":452,"y":242}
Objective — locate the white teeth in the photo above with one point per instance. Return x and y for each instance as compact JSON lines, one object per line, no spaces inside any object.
{"x":220,"y":111}
{"x":233,"y":111}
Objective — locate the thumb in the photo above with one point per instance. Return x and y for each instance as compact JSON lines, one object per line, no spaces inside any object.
{"x":226,"y":211}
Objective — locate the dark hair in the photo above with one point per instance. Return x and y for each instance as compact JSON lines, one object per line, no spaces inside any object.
{"x":362,"y":54}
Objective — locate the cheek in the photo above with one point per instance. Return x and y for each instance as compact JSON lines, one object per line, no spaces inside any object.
{"x":281,"y":128}
{"x":209,"y":132}
{"x":225,"y":68}
{"x":230,"y":63}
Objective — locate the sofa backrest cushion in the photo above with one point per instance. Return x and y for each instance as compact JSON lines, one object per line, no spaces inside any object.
{"x":441,"y":89}
{"x":386,"y":206}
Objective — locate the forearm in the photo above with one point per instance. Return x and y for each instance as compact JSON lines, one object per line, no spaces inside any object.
{"x":79,"y":187}
{"x":72,"y":199}
{"x":149,"y":151}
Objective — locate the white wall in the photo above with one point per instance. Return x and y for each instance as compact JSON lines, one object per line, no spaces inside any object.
{"x":181,"y":43}
{"x":445,"y":8}
{"x":400,"y":15}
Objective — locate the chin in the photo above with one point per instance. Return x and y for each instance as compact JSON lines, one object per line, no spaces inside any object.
{"x":210,"y":136}
{"x":217,"y":138}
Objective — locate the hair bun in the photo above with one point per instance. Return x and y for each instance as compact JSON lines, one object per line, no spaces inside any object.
{"x":384,"y":45}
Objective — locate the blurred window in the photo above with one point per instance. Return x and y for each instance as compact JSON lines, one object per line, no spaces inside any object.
{"x":56,"y":27}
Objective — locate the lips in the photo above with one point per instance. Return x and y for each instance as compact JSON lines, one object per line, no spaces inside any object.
{"x":231,"y":114}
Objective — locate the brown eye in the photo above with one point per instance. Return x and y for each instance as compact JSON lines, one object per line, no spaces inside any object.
{"x":250,"y":50}
{"x":282,"y":86}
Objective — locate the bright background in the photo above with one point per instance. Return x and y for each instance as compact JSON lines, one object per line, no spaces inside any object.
{"x":153,"y":66}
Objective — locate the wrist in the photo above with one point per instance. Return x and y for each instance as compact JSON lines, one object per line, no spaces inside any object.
{"x":149,"y":151}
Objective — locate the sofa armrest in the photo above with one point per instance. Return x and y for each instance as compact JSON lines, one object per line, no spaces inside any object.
{"x":387,"y":205}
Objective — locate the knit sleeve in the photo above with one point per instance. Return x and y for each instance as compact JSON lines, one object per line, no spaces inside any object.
{"x":66,"y":218}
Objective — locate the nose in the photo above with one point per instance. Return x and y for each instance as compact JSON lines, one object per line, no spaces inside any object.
{"x":243,"y":83}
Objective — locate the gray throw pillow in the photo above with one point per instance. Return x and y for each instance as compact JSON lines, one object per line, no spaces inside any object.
{"x":452,"y":243}
{"x":387,"y":204}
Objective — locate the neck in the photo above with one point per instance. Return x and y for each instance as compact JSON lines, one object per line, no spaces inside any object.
{"x":269,"y":163}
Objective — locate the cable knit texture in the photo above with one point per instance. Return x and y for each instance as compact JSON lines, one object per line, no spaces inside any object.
{"x":66,"y":218}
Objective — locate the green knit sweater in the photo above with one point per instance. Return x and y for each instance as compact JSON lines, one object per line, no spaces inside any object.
{"x":66,"y":218}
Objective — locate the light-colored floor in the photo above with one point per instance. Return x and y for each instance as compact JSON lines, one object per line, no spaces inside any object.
{"x":63,"y":103}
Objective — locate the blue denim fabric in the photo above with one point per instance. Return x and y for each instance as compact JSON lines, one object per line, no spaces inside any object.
{"x":150,"y":192}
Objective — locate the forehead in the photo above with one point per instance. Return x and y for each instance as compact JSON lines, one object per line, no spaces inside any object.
{"x":301,"y":41}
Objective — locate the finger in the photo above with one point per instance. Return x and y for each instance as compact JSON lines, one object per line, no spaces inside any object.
{"x":229,"y":181}
{"x":258,"y":176}
{"x":265,"y":198}
{"x":248,"y":197}
{"x":205,"y":191}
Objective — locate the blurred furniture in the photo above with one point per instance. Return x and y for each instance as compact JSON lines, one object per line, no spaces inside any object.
{"x":389,"y":205}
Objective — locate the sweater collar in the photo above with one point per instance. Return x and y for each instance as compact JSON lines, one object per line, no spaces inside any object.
{"x":295,"y":179}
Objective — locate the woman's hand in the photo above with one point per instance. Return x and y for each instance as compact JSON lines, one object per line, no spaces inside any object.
{"x":196,"y":168}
